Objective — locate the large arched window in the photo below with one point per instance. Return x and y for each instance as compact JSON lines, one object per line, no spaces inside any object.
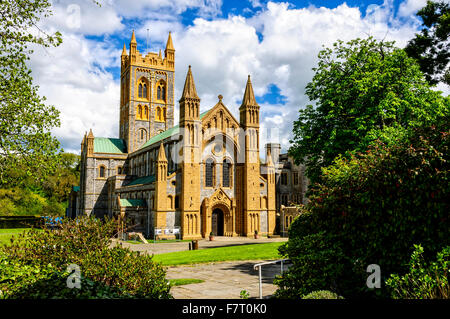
{"x":209,"y":173}
{"x":226,"y":173}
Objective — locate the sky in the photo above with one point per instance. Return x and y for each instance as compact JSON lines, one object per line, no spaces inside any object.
{"x":276,"y":42}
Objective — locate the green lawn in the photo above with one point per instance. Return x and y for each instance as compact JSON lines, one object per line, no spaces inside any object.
{"x":264,"y":251}
{"x":7,"y":233}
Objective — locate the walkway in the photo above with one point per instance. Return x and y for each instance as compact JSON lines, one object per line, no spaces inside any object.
{"x":222,"y":280}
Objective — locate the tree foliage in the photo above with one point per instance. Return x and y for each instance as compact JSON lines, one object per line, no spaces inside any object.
{"x":371,"y":209}
{"x":40,"y":195}
{"x":431,"y":47}
{"x":25,"y":120}
{"x":361,"y":89}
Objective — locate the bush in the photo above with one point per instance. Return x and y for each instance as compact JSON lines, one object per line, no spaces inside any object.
{"x":318,"y":263}
{"x":86,"y":242}
{"x":424,"y":280}
{"x":371,"y":209}
{"x":18,"y":280}
{"x":322,"y":294}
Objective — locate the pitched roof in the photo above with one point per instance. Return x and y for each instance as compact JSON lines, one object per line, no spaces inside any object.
{"x":162,"y":153}
{"x":169,"y":44}
{"x":109,"y":145}
{"x":167,"y":133}
{"x":142,"y":180}
{"x":189,"y":90}
{"x":132,"y":202}
{"x":249,"y":96}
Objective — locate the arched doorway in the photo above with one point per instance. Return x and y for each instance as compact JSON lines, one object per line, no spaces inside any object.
{"x":217,"y":222}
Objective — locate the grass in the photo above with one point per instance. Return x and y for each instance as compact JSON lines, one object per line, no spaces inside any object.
{"x":7,"y":233}
{"x":264,"y":251}
{"x":184,"y":281}
{"x":150,"y":241}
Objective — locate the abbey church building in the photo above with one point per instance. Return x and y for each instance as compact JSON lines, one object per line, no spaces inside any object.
{"x":203,"y":175}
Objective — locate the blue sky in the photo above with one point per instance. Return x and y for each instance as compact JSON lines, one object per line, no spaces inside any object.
{"x":275,"y":42}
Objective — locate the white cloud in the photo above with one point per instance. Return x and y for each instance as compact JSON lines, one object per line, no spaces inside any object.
{"x":410,"y":7}
{"x":222,"y":52}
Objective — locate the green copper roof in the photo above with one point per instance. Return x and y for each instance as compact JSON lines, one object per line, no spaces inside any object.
{"x":163,"y":135}
{"x":109,"y":145}
{"x":132,"y":203}
{"x":76,"y":188}
{"x":142,"y":180}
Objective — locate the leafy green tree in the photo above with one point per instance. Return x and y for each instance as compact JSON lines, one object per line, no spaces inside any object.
{"x":361,"y":89}
{"x":371,"y":209}
{"x":25,"y":120}
{"x":431,"y":47}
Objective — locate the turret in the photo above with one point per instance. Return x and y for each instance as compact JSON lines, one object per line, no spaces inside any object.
{"x":161,"y":188}
{"x":133,"y":48}
{"x":90,"y":143}
{"x":169,"y":52}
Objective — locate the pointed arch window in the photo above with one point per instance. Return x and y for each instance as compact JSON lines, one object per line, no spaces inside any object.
{"x":146,"y":112}
{"x":159,"y":93}
{"x":226,"y":169}
{"x":209,"y":173}
{"x":142,"y":88}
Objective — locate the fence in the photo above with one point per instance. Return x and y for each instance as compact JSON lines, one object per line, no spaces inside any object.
{"x":280,"y":261}
{"x":20,"y":221}
{"x":167,"y":232}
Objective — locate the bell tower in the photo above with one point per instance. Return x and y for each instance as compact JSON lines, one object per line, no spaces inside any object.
{"x":146,"y":93}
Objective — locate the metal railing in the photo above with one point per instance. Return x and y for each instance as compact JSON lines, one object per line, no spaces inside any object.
{"x":280,"y":261}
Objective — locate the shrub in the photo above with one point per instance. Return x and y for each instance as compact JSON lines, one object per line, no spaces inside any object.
{"x":424,"y":280}
{"x":87,"y":243}
{"x":372,"y":209}
{"x":18,"y":280}
{"x":322,"y":294}
{"x":318,"y":263}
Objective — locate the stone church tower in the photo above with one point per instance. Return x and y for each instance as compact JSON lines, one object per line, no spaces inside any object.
{"x":146,"y":94}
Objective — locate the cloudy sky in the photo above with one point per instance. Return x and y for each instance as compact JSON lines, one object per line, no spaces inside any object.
{"x":275,"y":42}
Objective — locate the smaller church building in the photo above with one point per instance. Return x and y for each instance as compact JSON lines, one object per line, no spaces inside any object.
{"x":201,"y":176}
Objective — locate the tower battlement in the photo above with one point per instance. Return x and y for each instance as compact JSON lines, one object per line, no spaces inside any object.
{"x":151,"y":59}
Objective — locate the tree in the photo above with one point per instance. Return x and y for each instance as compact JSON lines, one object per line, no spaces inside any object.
{"x":362,"y":89}
{"x":371,"y":209}
{"x":25,"y":121}
{"x":431,"y":47}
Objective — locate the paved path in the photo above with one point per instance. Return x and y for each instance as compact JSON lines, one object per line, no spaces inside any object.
{"x":223,"y":280}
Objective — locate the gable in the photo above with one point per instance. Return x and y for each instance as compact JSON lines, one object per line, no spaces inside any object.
{"x":219,"y":117}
